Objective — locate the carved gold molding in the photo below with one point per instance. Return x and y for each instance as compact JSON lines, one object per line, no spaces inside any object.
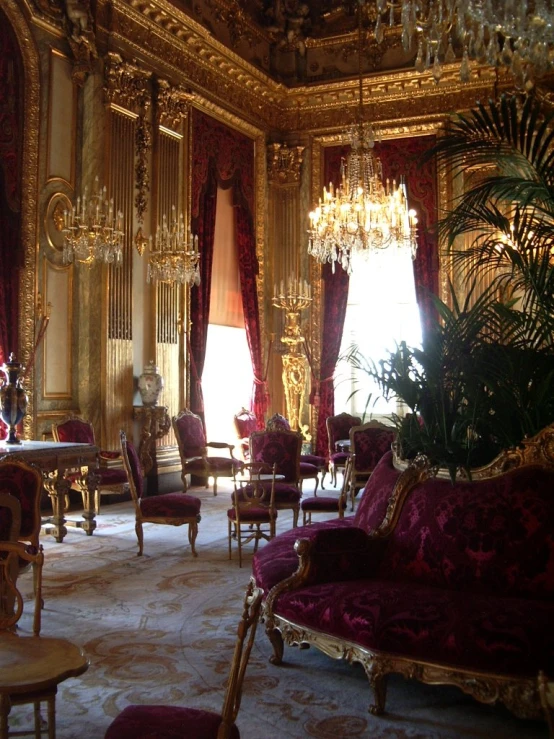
{"x":172,"y":104}
{"x":29,"y":200}
{"x":284,"y":164}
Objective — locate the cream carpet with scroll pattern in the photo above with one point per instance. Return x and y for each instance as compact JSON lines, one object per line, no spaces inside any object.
{"x":161,"y":629}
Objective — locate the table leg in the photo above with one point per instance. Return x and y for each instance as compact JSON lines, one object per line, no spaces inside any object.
{"x":88,"y":485}
{"x":57,"y":488}
{"x":52,"y":717}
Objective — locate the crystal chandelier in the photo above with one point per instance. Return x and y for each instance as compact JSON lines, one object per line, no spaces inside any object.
{"x":93,"y":230}
{"x":173,"y":255}
{"x":363,"y":213}
{"x":518,"y":34}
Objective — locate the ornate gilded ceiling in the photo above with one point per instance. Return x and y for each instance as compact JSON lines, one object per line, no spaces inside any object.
{"x":297,"y":42}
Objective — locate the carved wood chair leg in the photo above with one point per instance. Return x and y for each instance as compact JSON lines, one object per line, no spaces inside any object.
{"x":379,"y":686}
{"x":51,"y":703}
{"x":230,"y":536}
{"x":193,"y":532}
{"x":316,"y":485}
{"x":295,"y":518}
{"x":274,"y":636}
{"x":215,"y":485}
{"x":38,"y":719}
{"x":323,"y":473}
{"x":140,"y":537}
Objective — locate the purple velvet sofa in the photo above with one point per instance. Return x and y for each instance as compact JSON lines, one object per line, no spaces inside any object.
{"x":444,"y":583}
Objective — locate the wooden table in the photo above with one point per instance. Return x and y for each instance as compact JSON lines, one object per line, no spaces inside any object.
{"x":31,"y":668}
{"x":55,"y":459}
{"x":342,"y":445}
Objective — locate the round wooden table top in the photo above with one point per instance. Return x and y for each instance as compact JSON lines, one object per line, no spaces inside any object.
{"x":36,"y":663}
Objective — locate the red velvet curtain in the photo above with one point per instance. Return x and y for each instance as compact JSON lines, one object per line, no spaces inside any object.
{"x":224,"y":157}
{"x":398,"y":157}
{"x":11,"y":254}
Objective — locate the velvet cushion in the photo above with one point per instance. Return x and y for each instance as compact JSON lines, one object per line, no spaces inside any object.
{"x":370,"y":445}
{"x":308,"y":470}
{"x":259,"y":515}
{"x":76,"y":431}
{"x":506,"y":635}
{"x":490,"y":536}
{"x":22,"y":484}
{"x":339,"y":458}
{"x":191,"y":434}
{"x":109,"y":476}
{"x":170,"y":505}
{"x":277,"y":560}
{"x":166,"y":722}
{"x":286,"y":493}
{"x":313,"y":459}
{"x":321,"y":504}
{"x":374,"y":500}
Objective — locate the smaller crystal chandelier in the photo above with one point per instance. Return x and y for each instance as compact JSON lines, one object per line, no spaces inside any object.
{"x":173,"y":255}
{"x":362,"y":214}
{"x":93,"y":230}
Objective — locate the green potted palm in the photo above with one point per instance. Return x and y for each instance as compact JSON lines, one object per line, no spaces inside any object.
{"x":484,"y":378}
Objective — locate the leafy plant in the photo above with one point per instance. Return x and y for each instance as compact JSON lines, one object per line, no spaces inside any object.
{"x":484,"y":378}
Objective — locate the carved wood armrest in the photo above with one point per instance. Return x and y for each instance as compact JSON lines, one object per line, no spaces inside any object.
{"x":221,"y":445}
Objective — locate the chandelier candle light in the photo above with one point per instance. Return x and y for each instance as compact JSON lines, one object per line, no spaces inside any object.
{"x":362,"y":214}
{"x":293,"y":297}
{"x":173,"y":255}
{"x":93,"y":230}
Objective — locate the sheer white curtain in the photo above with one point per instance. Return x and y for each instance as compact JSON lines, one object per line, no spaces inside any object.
{"x":382,"y":311}
{"x":227,"y":378}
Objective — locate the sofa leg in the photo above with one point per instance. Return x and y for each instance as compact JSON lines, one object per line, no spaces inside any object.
{"x":379,"y":685}
{"x":274,"y":636}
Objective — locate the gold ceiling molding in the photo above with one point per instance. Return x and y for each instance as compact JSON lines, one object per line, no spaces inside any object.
{"x":239,"y":23}
{"x":284,"y":164}
{"x":173,"y":104}
{"x":126,"y":84}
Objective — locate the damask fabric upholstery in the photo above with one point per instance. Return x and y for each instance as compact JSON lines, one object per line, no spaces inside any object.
{"x":374,"y":500}
{"x":508,"y":635}
{"x":260,"y":515}
{"x":77,"y":431}
{"x":22,"y":484}
{"x":166,"y":722}
{"x":277,"y":447}
{"x":370,"y":445}
{"x":136,"y":470}
{"x":170,"y":505}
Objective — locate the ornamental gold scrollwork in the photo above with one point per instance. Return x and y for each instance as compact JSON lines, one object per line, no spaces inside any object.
{"x":284,"y":164}
{"x":79,"y":29}
{"x":172,"y":104}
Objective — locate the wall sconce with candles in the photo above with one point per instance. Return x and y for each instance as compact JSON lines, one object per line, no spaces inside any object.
{"x":93,"y":229}
{"x":293,"y":297}
{"x":173,"y":255}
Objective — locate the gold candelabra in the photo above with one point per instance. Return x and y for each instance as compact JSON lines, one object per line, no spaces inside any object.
{"x":292,"y":298}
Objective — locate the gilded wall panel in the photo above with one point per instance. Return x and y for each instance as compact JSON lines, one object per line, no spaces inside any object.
{"x":58,"y":294}
{"x":62,"y":110}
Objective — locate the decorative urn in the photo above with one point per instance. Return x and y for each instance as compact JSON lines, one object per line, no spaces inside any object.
{"x":150,"y":385}
{"x":13,"y":400}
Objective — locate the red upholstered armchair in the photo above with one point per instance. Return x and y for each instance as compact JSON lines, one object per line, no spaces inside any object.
{"x":281,"y":448}
{"x":173,"y":509}
{"x":245,"y":424}
{"x":193,"y":449}
{"x":111,"y":480}
{"x":310,"y":464}
{"x":338,"y":429}
{"x":368,"y":443}
{"x":169,"y":722}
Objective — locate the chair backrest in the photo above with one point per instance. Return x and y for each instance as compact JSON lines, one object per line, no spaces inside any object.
{"x":245,"y":423}
{"x":368,"y":443}
{"x":133,"y":468}
{"x":246,"y":633}
{"x":23,"y":481}
{"x":281,"y":448}
{"x":12,"y":552}
{"x":338,"y":428}
{"x":277,"y":422}
{"x":189,"y":431}
{"x":255,"y":489}
{"x":74,"y":429}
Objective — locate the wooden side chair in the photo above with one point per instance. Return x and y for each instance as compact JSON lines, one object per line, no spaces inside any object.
{"x":245,"y":424}
{"x":193,"y":450}
{"x":368,"y":443}
{"x":338,"y":429}
{"x":23,"y":481}
{"x":168,"y":722}
{"x":173,"y":509}
{"x":110,"y":480}
{"x":311,"y":465}
{"x":253,"y":515}
{"x":282,"y":449}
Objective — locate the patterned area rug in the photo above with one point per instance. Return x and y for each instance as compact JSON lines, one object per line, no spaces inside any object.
{"x":161,"y":629}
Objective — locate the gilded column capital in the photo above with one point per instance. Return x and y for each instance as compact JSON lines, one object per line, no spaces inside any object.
{"x":173,"y":104}
{"x":126,"y":84}
{"x":283,"y":164}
